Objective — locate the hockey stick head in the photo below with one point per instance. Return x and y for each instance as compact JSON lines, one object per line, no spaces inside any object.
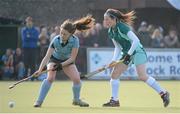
{"x":12,"y":86}
{"x":20,"y":81}
{"x":33,"y":75}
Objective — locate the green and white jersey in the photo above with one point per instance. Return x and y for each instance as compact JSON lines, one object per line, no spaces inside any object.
{"x":63,"y":51}
{"x":120,"y":34}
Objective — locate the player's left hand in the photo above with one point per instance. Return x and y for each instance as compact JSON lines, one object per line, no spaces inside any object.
{"x":126,"y":59}
{"x":57,"y":67}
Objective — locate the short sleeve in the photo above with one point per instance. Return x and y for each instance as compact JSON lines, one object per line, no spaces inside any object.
{"x":76,"y":42}
{"x":124,"y":28}
{"x":51,"y":45}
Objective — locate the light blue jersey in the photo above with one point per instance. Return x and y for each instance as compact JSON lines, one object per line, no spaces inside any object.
{"x":63,"y":51}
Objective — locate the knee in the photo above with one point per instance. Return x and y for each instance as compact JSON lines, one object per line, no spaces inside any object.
{"x":76,"y":81}
{"x":50,"y":79}
{"x":115,"y":76}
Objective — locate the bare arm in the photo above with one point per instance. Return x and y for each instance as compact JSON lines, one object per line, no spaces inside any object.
{"x":74,"y":53}
{"x":46,"y":58}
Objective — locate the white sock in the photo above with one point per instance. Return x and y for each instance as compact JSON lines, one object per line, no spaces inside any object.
{"x":154,"y":84}
{"x":115,"y":88}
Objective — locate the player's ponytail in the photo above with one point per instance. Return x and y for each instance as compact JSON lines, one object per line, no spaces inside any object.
{"x":81,"y":24}
{"x":84,"y":23}
{"x":127,"y":18}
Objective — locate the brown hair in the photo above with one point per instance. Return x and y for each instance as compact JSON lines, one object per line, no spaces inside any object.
{"x":124,"y":17}
{"x":81,"y":24}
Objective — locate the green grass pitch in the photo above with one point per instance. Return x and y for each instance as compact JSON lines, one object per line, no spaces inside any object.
{"x":135,"y":97}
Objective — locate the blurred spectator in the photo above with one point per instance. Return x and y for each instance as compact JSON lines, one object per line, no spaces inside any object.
{"x":157,"y":39}
{"x":93,"y":36}
{"x":150,"y":29}
{"x":19,"y":64}
{"x":8,"y":68}
{"x":55,"y":33}
{"x":50,"y":30}
{"x":81,"y":36}
{"x":29,"y":35}
{"x":103,"y":39}
{"x":143,"y":26}
{"x":101,"y":36}
{"x":161,"y":29}
{"x":144,"y":35}
{"x":171,"y":40}
{"x":43,"y":42}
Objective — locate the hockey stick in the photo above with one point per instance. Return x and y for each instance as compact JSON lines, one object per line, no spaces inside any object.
{"x":33,"y":75}
{"x":101,"y":69}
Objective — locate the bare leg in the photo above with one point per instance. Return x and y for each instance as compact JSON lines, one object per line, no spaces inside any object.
{"x":46,"y":85}
{"x":72,"y":72}
{"x":117,"y":71}
{"x":141,"y":70}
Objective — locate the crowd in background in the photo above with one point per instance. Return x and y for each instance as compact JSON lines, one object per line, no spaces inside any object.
{"x":152,"y":36}
{"x":23,"y":61}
